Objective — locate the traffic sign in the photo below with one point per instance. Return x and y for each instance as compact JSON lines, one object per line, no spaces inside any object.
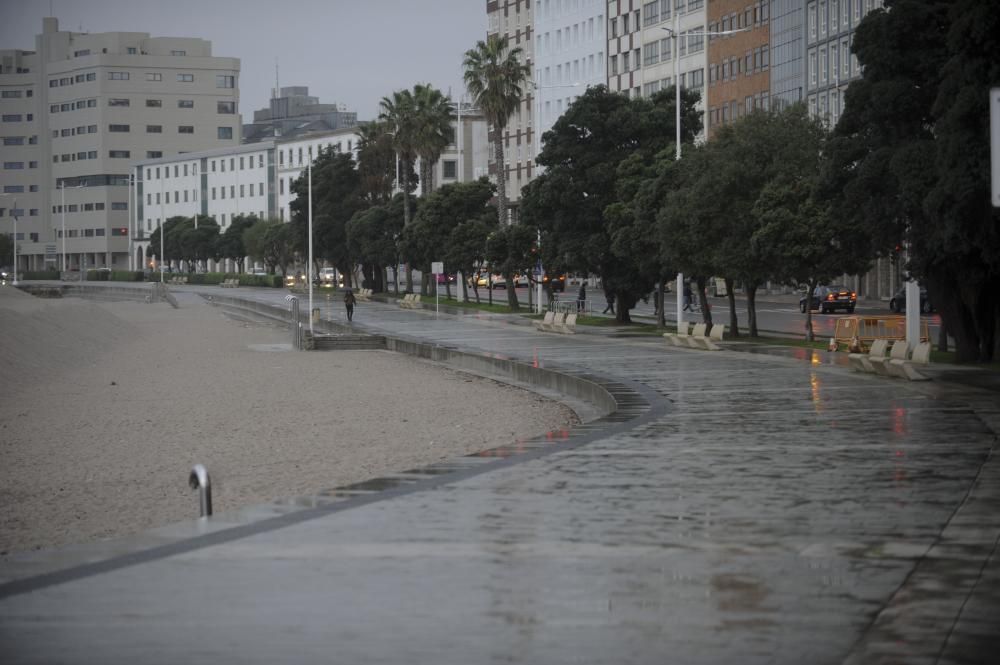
{"x":437,"y":267}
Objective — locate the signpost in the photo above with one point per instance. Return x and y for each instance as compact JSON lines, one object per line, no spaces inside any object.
{"x":437,"y":268}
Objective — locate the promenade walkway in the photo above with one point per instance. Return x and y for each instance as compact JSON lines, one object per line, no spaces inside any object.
{"x":738,"y":508}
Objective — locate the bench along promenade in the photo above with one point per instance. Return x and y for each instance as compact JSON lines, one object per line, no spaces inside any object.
{"x":765,"y":506}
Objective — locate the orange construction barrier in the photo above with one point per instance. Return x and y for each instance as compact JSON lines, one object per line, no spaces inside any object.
{"x":869,"y":328}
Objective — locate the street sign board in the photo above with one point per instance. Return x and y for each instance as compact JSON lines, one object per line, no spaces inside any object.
{"x":437,"y":267}
{"x":50,"y":253}
{"x":995,"y":146}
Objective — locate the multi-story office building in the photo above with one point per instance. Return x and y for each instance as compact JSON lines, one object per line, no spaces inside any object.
{"x":515,"y":20}
{"x":739,"y":63}
{"x":78,"y":110}
{"x":648,"y":40}
{"x":829,"y":63}
{"x":292,"y":112}
{"x":570,"y":43}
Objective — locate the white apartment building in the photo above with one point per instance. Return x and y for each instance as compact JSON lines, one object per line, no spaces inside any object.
{"x":570,"y":55}
{"x":78,"y":111}
{"x":642,"y":47}
{"x":256,"y":178}
{"x":514,"y":19}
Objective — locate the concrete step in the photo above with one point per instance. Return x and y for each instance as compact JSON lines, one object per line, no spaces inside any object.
{"x":342,"y":342}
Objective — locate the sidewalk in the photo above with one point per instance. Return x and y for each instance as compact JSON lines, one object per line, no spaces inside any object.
{"x":738,"y":508}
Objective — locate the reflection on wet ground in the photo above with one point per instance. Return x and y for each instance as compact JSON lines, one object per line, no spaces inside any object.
{"x":766,"y":507}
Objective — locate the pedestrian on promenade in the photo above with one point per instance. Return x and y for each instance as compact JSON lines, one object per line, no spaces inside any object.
{"x":610,"y":297}
{"x":581,"y":298}
{"x":349,"y":302}
{"x":687,"y":298}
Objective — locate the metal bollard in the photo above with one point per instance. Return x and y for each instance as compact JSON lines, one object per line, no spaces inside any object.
{"x":199,"y":480}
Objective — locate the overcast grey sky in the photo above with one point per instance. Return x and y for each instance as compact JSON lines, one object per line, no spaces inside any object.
{"x":350,"y":52}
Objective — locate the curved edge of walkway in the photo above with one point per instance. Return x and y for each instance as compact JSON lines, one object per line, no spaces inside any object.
{"x":621,"y":405}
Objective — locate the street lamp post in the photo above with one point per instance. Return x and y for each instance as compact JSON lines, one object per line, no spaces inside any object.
{"x":674,"y":33}
{"x":163,"y":222}
{"x":538,"y":149}
{"x":310,"y":267}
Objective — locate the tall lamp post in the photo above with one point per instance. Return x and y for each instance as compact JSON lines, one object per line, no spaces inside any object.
{"x":538,"y":149}
{"x":13,"y":214}
{"x":163,"y":222}
{"x":310,"y":267}
{"x":675,"y":35}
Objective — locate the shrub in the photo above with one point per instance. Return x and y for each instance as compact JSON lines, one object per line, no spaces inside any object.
{"x":40,"y":274}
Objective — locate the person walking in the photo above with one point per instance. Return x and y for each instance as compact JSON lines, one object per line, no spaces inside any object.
{"x":349,"y":302}
{"x":610,"y":297}
{"x":581,"y":298}
{"x":687,"y":298}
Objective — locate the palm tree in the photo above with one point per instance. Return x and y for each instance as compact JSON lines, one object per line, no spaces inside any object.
{"x":432,"y":131}
{"x":399,"y":114}
{"x":494,"y":76}
{"x":376,"y":161}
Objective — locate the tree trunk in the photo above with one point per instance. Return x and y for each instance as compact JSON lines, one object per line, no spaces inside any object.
{"x":752,"y":310}
{"x":734,"y":321}
{"x":501,"y":179}
{"x":661,"y":315}
{"x":622,"y":313}
{"x":706,"y":310}
{"x":511,"y":291}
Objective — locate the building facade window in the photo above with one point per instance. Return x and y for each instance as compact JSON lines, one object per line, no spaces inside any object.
{"x":226,"y":107}
{"x":117,"y":76}
{"x":185,"y":78}
{"x":185,"y":129}
{"x":154,"y":76}
{"x":185,"y":103}
{"x":154,"y":103}
{"x":225,"y":81}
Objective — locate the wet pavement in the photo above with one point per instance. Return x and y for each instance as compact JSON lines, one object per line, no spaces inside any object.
{"x":768,"y":507}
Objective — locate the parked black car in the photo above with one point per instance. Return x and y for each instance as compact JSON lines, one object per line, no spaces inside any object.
{"x":830,"y":298}
{"x":898,"y":301}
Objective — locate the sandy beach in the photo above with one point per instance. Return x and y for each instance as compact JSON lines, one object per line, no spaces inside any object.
{"x":106,"y":406}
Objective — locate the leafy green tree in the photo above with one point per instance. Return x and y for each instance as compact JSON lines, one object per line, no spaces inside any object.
{"x":582,"y":154}
{"x":172,"y":230}
{"x":231,"y":241}
{"x":376,"y":162}
{"x":336,"y":196}
{"x":910,"y":155}
{"x":399,"y":114}
{"x":495,"y":76}
{"x":372,"y":239}
{"x":509,"y":251}
{"x":432,"y":132}
{"x":271,"y":242}
{"x":199,"y":240}
{"x":466,"y":248}
{"x":6,"y":249}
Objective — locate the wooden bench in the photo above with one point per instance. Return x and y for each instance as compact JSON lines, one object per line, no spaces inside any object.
{"x":363,"y":294}
{"x":900,"y":351}
{"x":545,"y":322}
{"x":905,"y":368}
{"x":678,"y":338}
{"x":568,"y":325}
{"x":861,"y":362}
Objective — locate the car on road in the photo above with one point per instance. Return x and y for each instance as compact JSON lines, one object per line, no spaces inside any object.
{"x":897,"y":303}
{"x":558,"y":281}
{"x":829,"y":299}
{"x":520,"y":281}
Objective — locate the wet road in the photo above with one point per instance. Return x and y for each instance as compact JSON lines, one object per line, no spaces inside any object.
{"x":748,"y":509}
